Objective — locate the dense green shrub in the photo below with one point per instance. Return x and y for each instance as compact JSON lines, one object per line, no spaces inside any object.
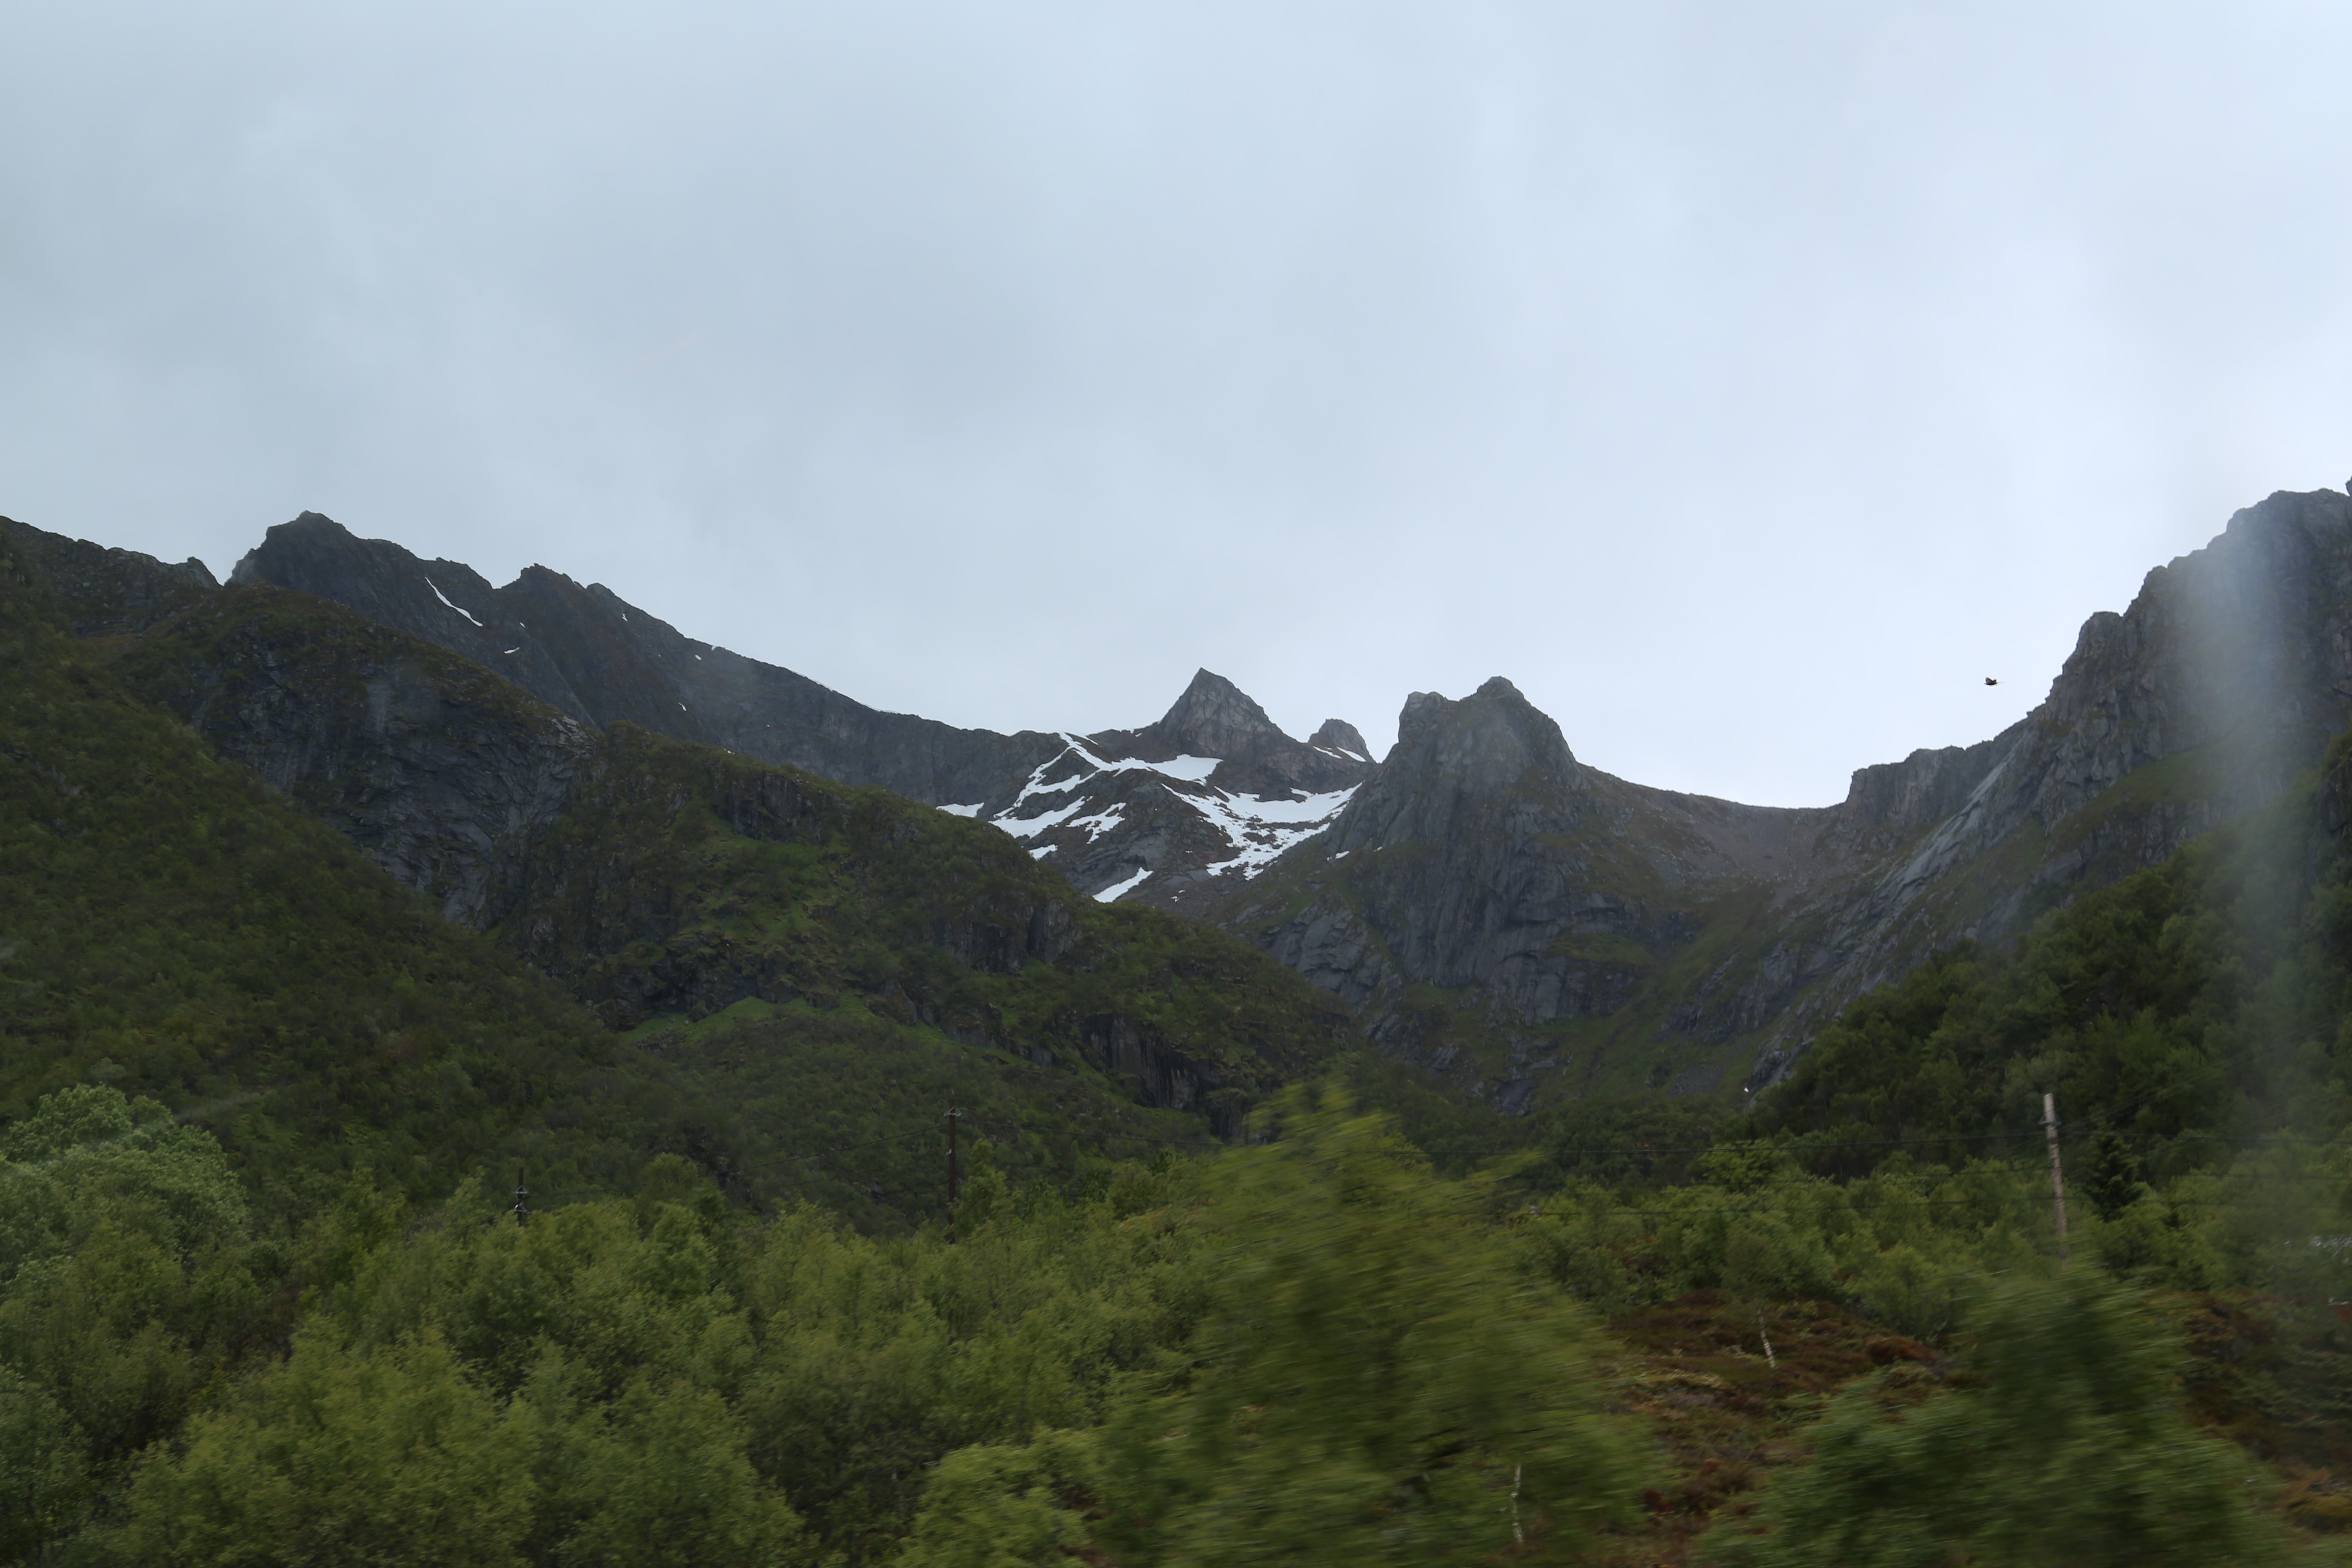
{"x":2065,"y":1450}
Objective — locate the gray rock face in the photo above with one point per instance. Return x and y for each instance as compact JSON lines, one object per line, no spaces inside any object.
{"x":602,"y":660}
{"x":110,"y":593}
{"x":2227,"y":676}
{"x":1172,"y":814}
{"x":1502,"y":910}
{"x":1125,"y":827}
{"x":1462,"y":772}
{"x":1338,"y":735}
{"x":1887,"y":802}
{"x":437,"y":770}
{"x":1484,"y":861}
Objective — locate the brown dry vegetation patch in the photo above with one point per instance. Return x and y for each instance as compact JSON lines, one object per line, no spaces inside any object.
{"x":1721,"y":1414}
{"x":2273,"y":1377}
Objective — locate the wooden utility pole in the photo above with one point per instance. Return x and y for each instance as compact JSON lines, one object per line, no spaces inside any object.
{"x":523,"y":1195}
{"x":2057,"y":1176}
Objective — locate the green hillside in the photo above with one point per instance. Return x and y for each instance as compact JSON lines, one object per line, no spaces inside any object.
{"x":173,"y":928}
{"x":683,"y":879}
{"x":262,"y":1300}
{"x":786,"y":980}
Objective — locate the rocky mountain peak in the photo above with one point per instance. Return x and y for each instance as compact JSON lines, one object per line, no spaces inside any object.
{"x":107,"y":591}
{"x":602,"y":659}
{"x":1210,"y":793}
{"x":1457,"y":762}
{"x":1215,"y":718}
{"x":1338,"y":735}
{"x":1206,"y":797}
{"x":1493,"y":739}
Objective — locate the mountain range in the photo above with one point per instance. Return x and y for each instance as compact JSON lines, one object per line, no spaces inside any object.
{"x":1479,"y":901}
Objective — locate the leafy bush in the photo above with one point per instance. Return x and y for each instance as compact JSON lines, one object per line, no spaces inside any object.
{"x":2069,"y":1451}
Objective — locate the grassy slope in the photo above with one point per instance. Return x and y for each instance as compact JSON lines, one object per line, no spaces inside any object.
{"x":2209,"y":996}
{"x":682,"y":878}
{"x":2190,"y":1008}
{"x":1723,"y":1420}
{"x":854,"y":965}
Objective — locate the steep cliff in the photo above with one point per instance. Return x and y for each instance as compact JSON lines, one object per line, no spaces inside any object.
{"x":1207,"y":796}
{"x":2224,"y":678}
{"x":436,"y":769}
{"x":1516,"y":921}
{"x":1524,"y":923}
{"x":603,"y":660}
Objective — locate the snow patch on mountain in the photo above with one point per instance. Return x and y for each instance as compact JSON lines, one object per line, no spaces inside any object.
{"x":1076,"y":753}
{"x":1257,"y":829}
{"x":1112,"y":894}
{"x":1030,"y":826}
{"x":1260,"y":830}
{"x":444,"y":599}
{"x":1098,"y":824}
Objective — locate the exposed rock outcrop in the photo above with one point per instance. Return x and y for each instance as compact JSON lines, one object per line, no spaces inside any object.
{"x":1338,"y":735}
{"x":1484,"y":887}
{"x":2226,"y":676}
{"x":109,"y":593}
{"x":439,"y":772}
{"x":1133,"y":830}
{"x":1494,"y":903}
{"x":603,"y":660}
{"x":1174,"y":813}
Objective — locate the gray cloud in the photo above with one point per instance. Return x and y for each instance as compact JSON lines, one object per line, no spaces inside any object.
{"x":1745,"y":382}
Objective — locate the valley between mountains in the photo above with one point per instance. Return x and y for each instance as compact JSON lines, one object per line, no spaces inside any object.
{"x":1484,"y":905}
{"x":936,"y":1147}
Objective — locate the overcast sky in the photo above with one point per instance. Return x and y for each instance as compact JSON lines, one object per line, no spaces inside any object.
{"x":1745,"y":381}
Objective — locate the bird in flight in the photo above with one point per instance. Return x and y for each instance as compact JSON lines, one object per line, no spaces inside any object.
{"x":1991,"y":681}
